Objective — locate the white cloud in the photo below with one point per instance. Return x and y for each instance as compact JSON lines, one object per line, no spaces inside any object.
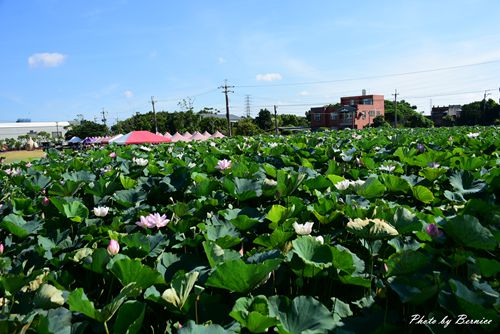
{"x":128,"y":94}
{"x":46,"y":59}
{"x":221,"y":60}
{"x":304,"y":93}
{"x":268,"y":77}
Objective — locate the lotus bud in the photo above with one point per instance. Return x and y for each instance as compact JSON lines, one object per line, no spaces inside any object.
{"x":1,"y":248}
{"x":45,"y":201}
{"x":113,"y":247}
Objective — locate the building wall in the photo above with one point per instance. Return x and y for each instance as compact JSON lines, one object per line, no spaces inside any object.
{"x":367,"y":107}
{"x":14,"y":130}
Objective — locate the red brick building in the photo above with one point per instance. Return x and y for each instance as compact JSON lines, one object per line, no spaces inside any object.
{"x":354,"y":112}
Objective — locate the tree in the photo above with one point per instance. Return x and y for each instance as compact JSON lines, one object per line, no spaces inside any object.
{"x":264,"y":120}
{"x":380,"y":121}
{"x":212,"y":124}
{"x":407,"y":115}
{"x":246,"y":127}
{"x":479,"y":112}
{"x":87,"y":129}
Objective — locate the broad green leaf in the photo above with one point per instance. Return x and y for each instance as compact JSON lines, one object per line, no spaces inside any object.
{"x":193,"y":328}
{"x":253,"y":314}
{"x":18,"y":226}
{"x":312,"y":252}
{"x":302,"y":315}
{"x":48,"y":296}
{"x":405,"y":221}
{"x":76,"y":211}
{"x":130,"y":317}
{"x":127,"y":182}
{"x":57,"y":321}
{"x":238,"y":276}
{"x":278,"y":214}
{"x":79,"y":302}
{"x":100,"y":259}
{"x":129,"y":198}
{"x":432,"y":174}
{"x":372,"y":188}
{"x":465,"y":183}
{"x":468,"y":231}
{"x":129,"y":271}
{"x":488,"y":267}
{"x":394,"y":183}
{"x":340,"y":310}
{"x":473,"y":304}
{"x":216,"y":254}
{"x":405,"y":262}
{"x":23,"y":206}
{"x":181,"y":286}
{"x":423,"y":194}
{"x":414,"y":289}
{"x":243,"y":189}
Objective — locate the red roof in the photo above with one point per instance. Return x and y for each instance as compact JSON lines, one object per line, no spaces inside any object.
{"x":141,"y":137}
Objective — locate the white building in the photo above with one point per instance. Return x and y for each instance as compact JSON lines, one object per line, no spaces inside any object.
{"x":14,"y":130}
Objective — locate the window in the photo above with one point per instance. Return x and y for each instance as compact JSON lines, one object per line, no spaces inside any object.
{"x":378,"y":113}
{"x":367,"y":101}
{"x":352,"y":102}
{"x":317,"y":117}
{"x":371,"y":113}
{"x":334,"y":116}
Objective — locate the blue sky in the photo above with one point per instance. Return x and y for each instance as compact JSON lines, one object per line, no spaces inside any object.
{"x":60,"y":59}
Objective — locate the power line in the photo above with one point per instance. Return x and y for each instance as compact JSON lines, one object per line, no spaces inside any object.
{"x":371,"y":77}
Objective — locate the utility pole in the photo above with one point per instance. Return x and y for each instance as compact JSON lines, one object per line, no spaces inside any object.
{"x":486,"y":93}
{"x":154,"y":113}
{"x":275,"y":120}
{"x":247,"y":105}
{"x":395,"y":108}
{"x":225,"y":90}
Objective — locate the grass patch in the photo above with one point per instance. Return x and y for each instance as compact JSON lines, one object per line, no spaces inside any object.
{"x":15,"y":156}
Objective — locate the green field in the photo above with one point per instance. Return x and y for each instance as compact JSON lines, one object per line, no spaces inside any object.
{"x":14,"y":156}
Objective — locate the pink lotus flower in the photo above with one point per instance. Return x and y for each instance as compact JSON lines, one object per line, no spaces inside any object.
{"x":434,"y":231}
{"x":28,"y":165}
{"x":112,"y":155}
{"x":223,"y":164}
{"x":1,"y":248}
{"x":113,"y":247}
{"x":152,"y":221}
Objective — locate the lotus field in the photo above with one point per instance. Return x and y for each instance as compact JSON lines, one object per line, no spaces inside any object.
{"x":332,"y":232}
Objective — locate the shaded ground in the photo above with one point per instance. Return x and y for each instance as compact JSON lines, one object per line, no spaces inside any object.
{"x":13,"y":156}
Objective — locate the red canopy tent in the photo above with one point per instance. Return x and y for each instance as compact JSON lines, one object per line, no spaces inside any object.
{"x":141,"y":137}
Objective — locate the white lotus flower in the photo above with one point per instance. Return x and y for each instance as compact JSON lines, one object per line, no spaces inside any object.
{"x":140,"y":161}
{"x":273,"y":145}
{"x":303,"y":229}
{"x":388,"y":168}
{"x":473,"y":134}
{"x":342,"y":185}
{"x":320,"y":239}
{"x":101,"y":211}
{"x":371,"y":228}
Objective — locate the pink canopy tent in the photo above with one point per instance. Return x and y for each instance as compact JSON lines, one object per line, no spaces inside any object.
{"x":141,"y":137}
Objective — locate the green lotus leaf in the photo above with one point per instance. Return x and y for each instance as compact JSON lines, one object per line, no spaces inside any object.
{"x":423,"y":194}
{"x":302,"y":315}
{"x":312,"y":252}
{"x":468,"y":231}
{"x":253,"y":314}
{"x":238,"y":276}
{"x":130,"y":317}
{"x":133,"y":271}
